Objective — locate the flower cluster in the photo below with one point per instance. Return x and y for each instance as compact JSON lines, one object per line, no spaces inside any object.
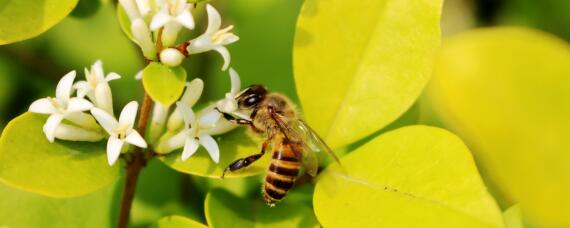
{"x":155,"y":25}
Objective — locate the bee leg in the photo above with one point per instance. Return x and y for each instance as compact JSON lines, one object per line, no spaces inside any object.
{"x":233,"y":119}
{"x":245,"y":162}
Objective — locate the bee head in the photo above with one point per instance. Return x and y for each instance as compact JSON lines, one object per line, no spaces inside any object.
{"x":252,"y":96}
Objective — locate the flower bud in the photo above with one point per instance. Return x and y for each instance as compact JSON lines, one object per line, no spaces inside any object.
{"x":73,"y":133}
{"x":171,"y":57}
{"x":143,"y":36}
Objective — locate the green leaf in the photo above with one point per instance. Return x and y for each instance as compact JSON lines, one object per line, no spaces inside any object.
{"x":414,"y":176}
{"x":30,"y":162}
{"x":234,"y":145}
{"x":124,"y":22}
{"x":177,"y":222}
{"x":359,"y":66}
{"x":226,"y":210}
{"x":164,"y":84}
{"x":25,"y":209}
{"x":505,"y":91}
{"x":24,"y":19}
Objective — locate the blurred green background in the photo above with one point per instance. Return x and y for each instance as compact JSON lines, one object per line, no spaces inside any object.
{"x":31,"y":69}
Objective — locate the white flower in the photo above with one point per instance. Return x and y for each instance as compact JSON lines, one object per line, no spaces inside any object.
{"x":171,"y":57}
{"x":190,"y":97}
{"x":96,"y":86}
{"x":193,"y":135}
{"x":131,"y":8}
{"x":229,"y":103}
{"x":214,"y":38}
{"x":119,"y":131}
{"x":62,"y":107}
{"x":158,"y":120}
{"x":173,"y":14}
{"x":143,"y":37}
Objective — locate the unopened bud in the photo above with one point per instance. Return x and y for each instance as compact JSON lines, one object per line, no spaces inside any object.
{"x":171,"y":57}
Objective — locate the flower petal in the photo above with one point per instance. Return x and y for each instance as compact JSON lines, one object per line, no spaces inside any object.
{"x":65,"y":86}
{"x":114,"y":146}
{"x":225,"y":54}
{"x":134,"y":138}
{"x":190,"y":147}
{"x":139,"y":75}
{"x":187,"y":114}
{"x":211,"y":146}
{"x":185,"y":19}
{"x":143,"y":36}
{"x":214,"y":20}
{"x":129,"y":114}
{"x":130,"y":8}
{"x":42,"y":106}
{"x":112,"y":76}
{"x":231,"y":38}
{"x":235,"y":82}
{"x":108,"y":122}
{"x":104,"y":97}
{"x":78,"y":105}
{"x":82,"y":88}
{"x":51,"y":125}
{"x":97,"y":71}
{"x":160,"y":19}
{"x":209,"y":119}
{"x":143,"y":6}
{"x":193,"y":92}
{"x":170,"y":33}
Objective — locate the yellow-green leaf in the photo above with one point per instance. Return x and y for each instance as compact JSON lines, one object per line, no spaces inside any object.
{"x":513,"y":217}
{"x":360,"y":65}
{"x":506,"y":91}
{"x":414,"y":176}
{"x":164,"y":84}
{"x":30,"y":162}
{"x":124,"y":22}
{"x":24,"y":19}
{"x":177,"y":222}
{"x":234,"y":145}
{"x":226,"y":210}
{"x":25,"y":209}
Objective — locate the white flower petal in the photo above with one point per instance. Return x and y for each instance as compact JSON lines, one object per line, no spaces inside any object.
{"x":51,"y":125}
{"x":108,"y":122}
{"x":143,"y":6}
{"x":225,"y":54}
{"x":185,"y":19}
{"x":211,"y":146}
{"x":193,"y":92}
{"x":104,"y":97}
{"x":65,"y":87}
{"x":169,"y":144}
{"x":190,"y":147}
{"x":160,"y":19}
{"x":139,"y":75}
{"x":235,"y":82}
{"x":170,"y":33}
{"x":97,"y":71}
{"x":231,"y":38}
{"x":82,"y":88}
{"x":129,"y":114}
{"x":42,"y":106}
{"x":214,"y":20}
{"x":187,"y":114}
{"x":78,"y":105}
{"x":73,"y":133}
{"x":209,"y":119}
{"x":114,"y":146}
{"x":134,"y":138}
{"x":112,"y":76}
{"x":143,"y":36}
{"x":130,"y":8}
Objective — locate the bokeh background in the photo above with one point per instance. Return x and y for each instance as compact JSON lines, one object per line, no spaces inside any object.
{"x":31,"y":69}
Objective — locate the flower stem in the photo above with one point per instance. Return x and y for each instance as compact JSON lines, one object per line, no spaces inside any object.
{"x":134,"y":166}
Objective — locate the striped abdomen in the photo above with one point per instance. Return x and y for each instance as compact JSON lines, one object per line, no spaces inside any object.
{"x":282,"y":172}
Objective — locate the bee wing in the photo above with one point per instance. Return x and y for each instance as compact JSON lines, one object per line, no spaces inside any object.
{"x":313,"y":140}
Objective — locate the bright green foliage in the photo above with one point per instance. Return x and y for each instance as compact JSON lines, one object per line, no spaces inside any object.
{"x":359,"y":66}
{"x":226,"y":210}
{"x":415,"y":176}
{"x":24,"y":19}
{"x":25,"y":209}
{"x":505,"y":91}
{"x":233,"y":145}
{"x":513,"y":217}
{"x":61,"y":169}
{"x":87,"y":8}
{"x":125,"y":22}
{"x":177,"y":222}
{"x":164,"y":84}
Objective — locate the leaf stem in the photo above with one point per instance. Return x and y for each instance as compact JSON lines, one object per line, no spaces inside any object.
{"x":134,"y":166}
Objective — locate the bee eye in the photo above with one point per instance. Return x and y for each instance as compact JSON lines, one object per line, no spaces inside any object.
{"x":251,"y":101}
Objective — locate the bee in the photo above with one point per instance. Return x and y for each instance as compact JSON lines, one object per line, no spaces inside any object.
{"x":293,"y":141}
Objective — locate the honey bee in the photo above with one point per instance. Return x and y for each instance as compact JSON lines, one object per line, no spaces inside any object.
{"x":293,"y":141}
